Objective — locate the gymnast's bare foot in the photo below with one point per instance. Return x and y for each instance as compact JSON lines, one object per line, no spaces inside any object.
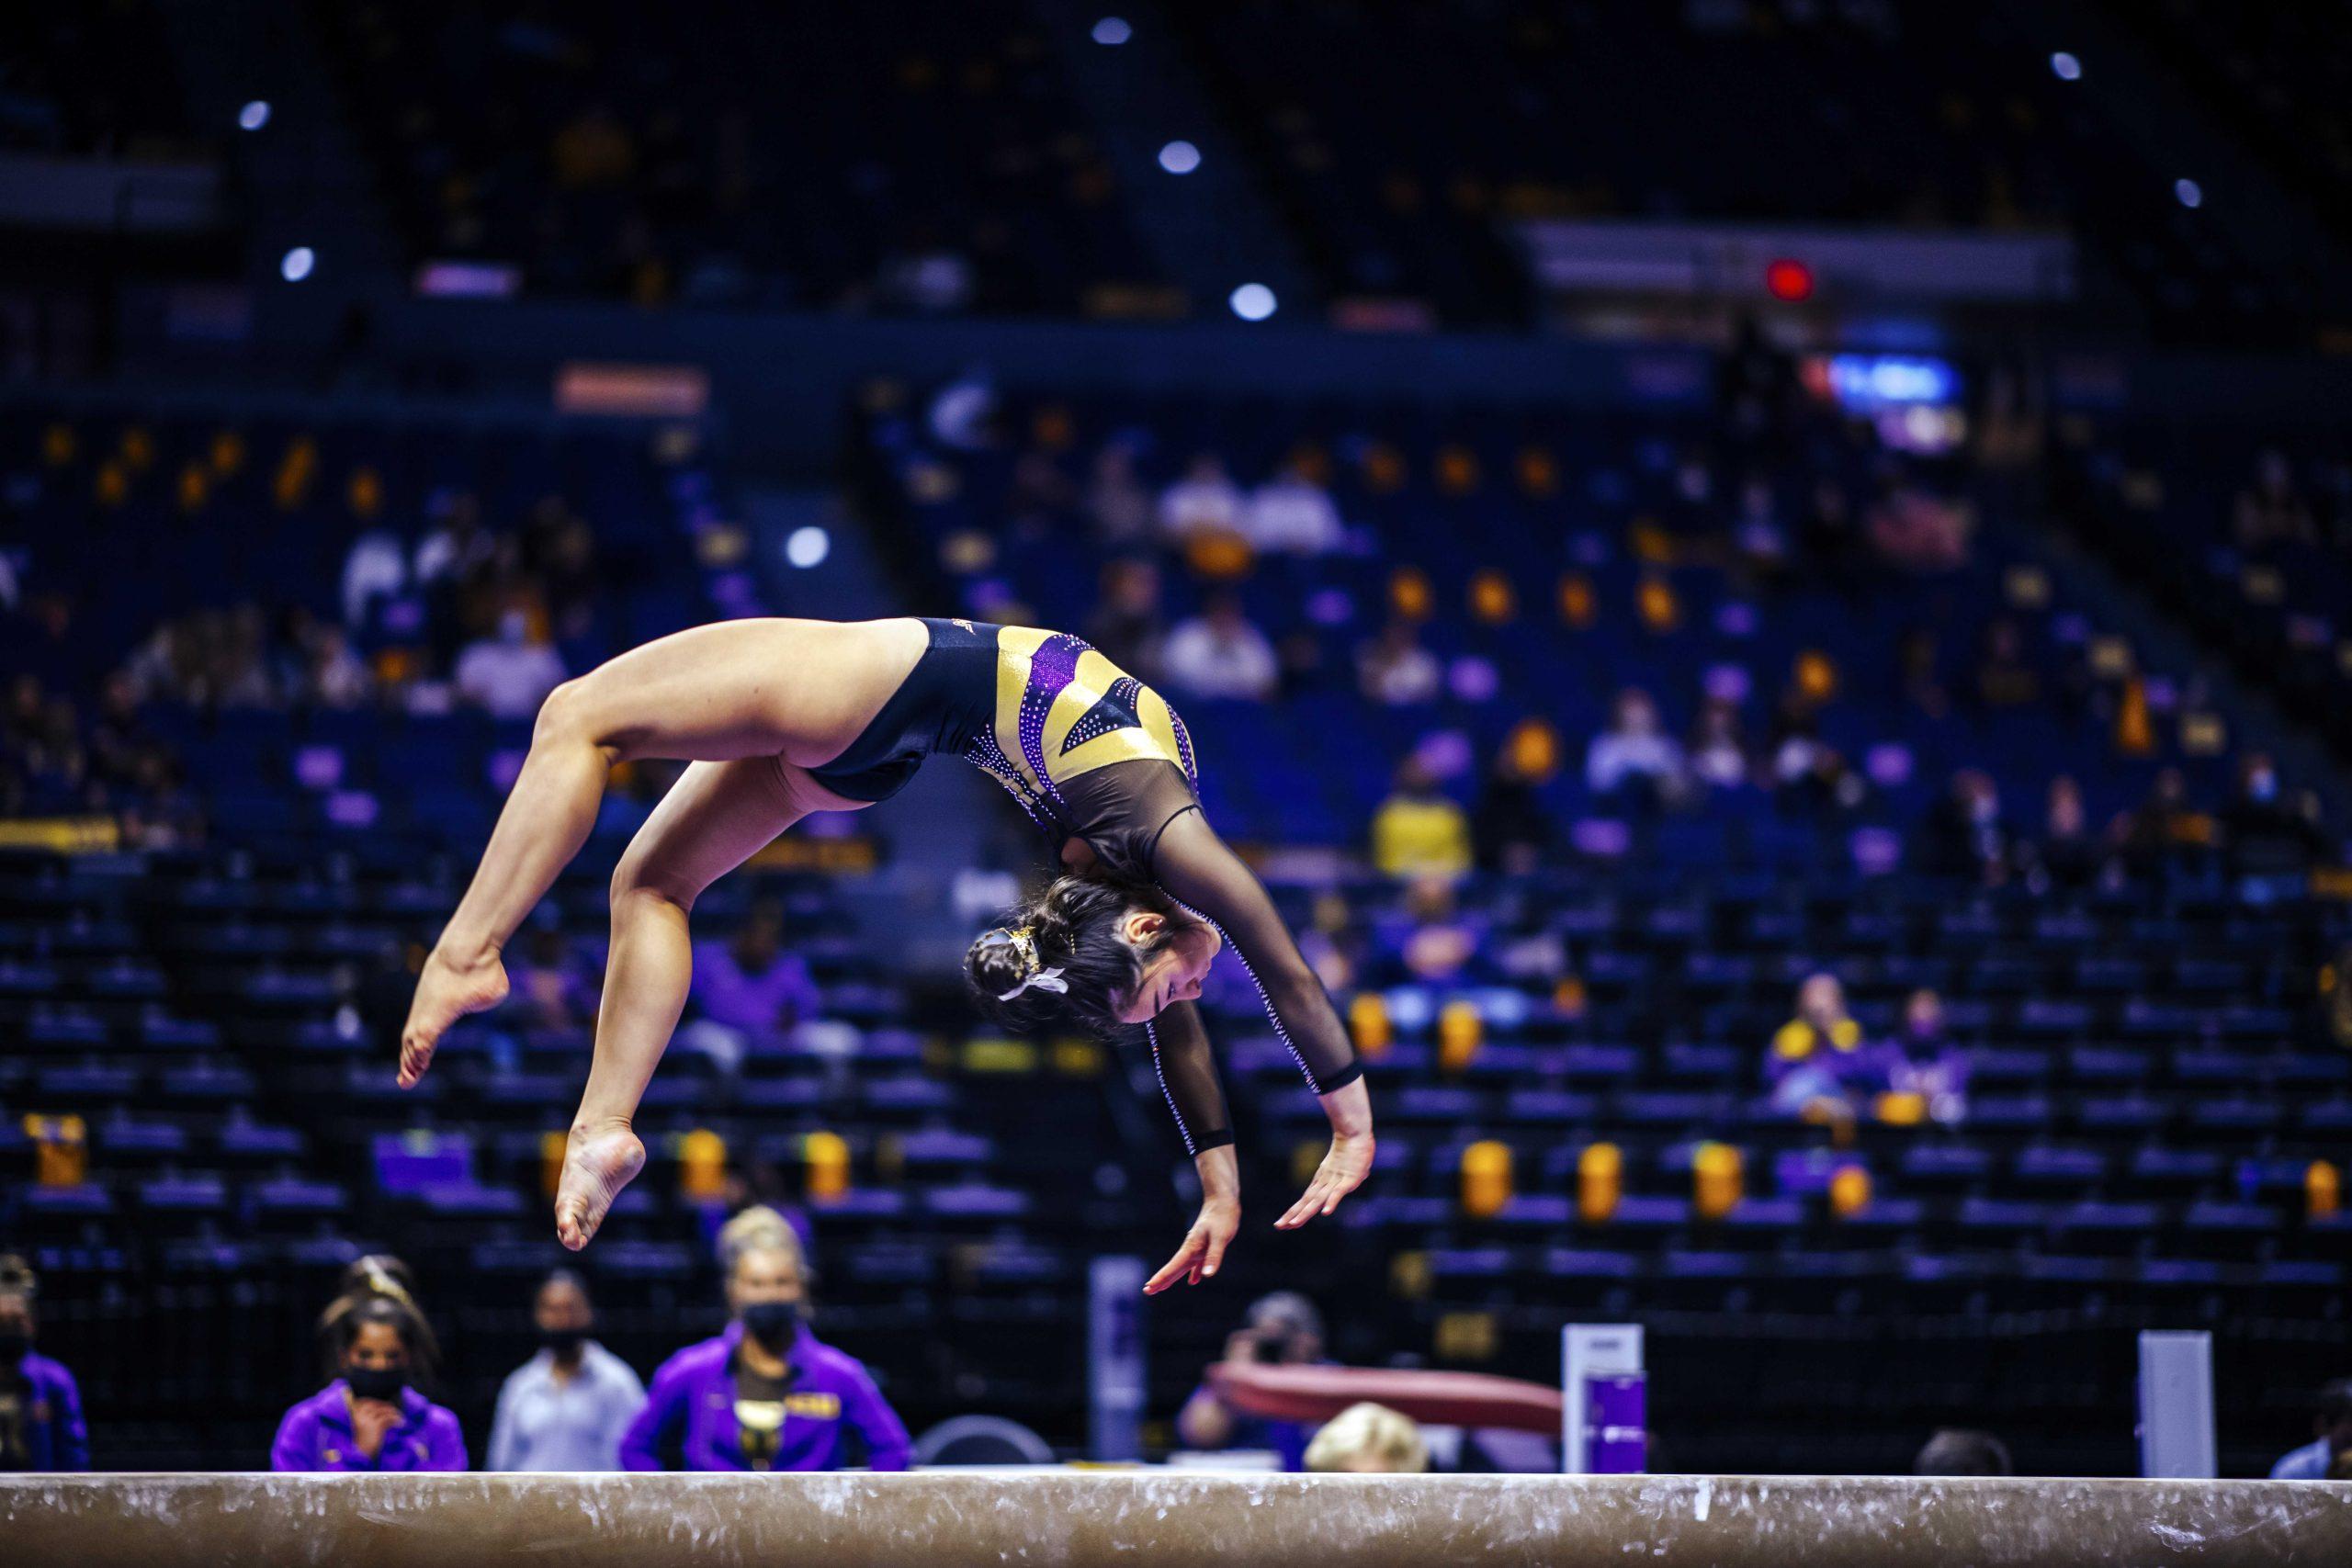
{"x":598,"y":1161}
{"x":449,"y":988}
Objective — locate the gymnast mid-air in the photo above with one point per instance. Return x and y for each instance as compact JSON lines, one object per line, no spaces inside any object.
{"x":782,"y":717}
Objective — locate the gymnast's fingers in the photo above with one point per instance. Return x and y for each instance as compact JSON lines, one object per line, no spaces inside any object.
{"x":1179,"y":1264}
{"x":1304,"y":1209}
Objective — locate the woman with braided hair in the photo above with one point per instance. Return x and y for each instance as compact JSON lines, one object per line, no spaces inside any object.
{"x":782,"y":717}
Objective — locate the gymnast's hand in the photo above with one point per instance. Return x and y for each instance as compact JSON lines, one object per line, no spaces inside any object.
{"x":1341,"y":1172}
{"x":1350,"y":1161}
{"x":1203,"y":1246}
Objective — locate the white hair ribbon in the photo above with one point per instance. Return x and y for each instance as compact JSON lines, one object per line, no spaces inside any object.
{"x":1043,"y":979}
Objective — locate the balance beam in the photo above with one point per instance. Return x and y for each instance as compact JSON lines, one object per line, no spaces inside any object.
{"x":1144,"y":1519}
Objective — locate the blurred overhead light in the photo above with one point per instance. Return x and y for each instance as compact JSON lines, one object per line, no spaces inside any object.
{"x":254,"y":116}
{"x":2189,"y":192}
{"x":1180,"y":157}
{"x":1113,"y":31}
{"x":807,"y":547}
{"x":2065,"y":67}
{"x":1252,"y":301}
{"x":296,"y":263}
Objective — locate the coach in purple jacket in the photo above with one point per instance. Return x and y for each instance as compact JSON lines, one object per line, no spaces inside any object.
{"x":369,"y":1418}
{"x":766,"y":1395}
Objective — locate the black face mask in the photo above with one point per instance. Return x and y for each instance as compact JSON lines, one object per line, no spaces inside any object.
{"x":13,"y":1345}
{"x":562,"y":1341}
{"x":772,"y":1323}
{"x":375,"y":1382}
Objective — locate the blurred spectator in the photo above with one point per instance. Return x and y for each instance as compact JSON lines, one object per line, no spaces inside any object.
{"x":2271,"y":509}
{"x":748,"y":988}
{"x":1820,"y":1066}
{"x":1368,"y":1439}
{"x":1759,"y":540}
{"x":2003,"y":679}
{"x":2162,"y":829}
{"x":375,"y":568}
{"x":1040,"y":494}
{"x":1417,"y":832}
{"x":458,"y":545}
{"x":2328,"y":1457}
{"x":1431,"y":938}
{"x":1919,"y":666}
{"x":371,"y":1418}
{"x":1962,"y":835}
{"x":2263,"y":833}
{"x":1282,"y":1329}
{"x":241,"y":677}
{"x":335,"y":677}
{"x":1395,"y":670}
{"x":1830,"y":536}
{"x":1913,"y":531}
{"x":1510,"y":830}
{"x":1117,"y":502}
{"x":593,"y":149}
{"x":1291,"y":515}
{"x":1718,"y":749}
{"x":1127,"y":625}
{"x":1634,"y":756}
{"x":1220,"y":654}
{"x":1957,"y":1452}
{"x":509,"y":675}
{"x":766,"y":1395}
{"x":1205,"y":500}
{"x":40,"y":1405}
{"x":1926,"y":1061}
{"x":550,"y":990}
{"x":2067,"y":855}
{"x":566,"y":1408}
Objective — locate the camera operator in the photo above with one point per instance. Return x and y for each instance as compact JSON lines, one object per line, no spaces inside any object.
{"x":1282,"y":1329}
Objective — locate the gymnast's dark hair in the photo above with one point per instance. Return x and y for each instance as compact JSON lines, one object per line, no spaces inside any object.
{"x":1073,"y":926}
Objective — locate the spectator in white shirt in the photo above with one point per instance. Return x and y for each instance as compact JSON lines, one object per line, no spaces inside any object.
{"x":1291,"y":513}
{"x":1219,"y":654}
{"x":376,"y":569}
{"x":566,"y":1408}
{"x":1204,"y":499}
{"x":1634,"y":753}
{"x":1397,"y":670}
{"x":509,"y":675}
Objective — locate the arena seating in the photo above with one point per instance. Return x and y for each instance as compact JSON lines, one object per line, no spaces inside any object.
{"x":2150,"y":1079}
{"x":1610,"y":574}
{"x":1870,"y":113}
{"x":89,"y":80}
{"x":2274,"y":603}
{"x":922,"y":159}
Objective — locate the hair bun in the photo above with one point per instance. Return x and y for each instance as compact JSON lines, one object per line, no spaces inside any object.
{"x":997,"y":960}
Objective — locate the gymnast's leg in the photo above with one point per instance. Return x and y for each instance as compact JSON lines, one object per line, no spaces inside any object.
{"x":799,"y":690}
{"x":715,"y":816}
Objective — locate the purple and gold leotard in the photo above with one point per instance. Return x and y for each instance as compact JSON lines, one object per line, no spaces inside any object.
{"x":1093,"y":753}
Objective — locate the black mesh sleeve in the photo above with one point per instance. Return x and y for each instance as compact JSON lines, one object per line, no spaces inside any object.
{"x":1195,"y":867}
{"x":1187,"y":1069}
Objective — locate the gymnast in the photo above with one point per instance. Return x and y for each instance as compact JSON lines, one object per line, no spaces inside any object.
{"x":780,"y":717}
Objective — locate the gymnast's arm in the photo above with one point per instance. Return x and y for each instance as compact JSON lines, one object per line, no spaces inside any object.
{"x":1197,"y":868}
{"x":1187,"y":1069}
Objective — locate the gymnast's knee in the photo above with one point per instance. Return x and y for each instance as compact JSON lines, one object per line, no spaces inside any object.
{"x":639,"y":883}
{"x":570,"y":716}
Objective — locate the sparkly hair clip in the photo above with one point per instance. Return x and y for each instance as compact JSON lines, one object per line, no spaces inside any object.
{"x":1025,"y":941}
